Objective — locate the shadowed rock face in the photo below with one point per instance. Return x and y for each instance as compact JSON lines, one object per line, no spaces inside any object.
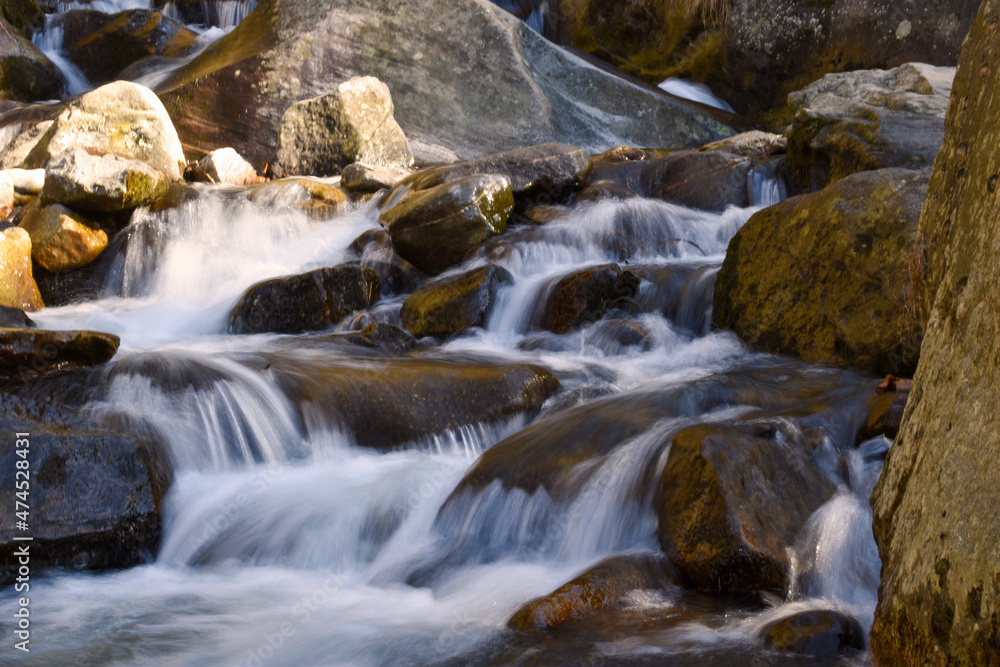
{"x":935,"y":508}
{"x":289,"y":50}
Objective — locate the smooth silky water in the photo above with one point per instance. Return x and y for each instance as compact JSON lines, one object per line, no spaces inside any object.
{"x":287,"y":544}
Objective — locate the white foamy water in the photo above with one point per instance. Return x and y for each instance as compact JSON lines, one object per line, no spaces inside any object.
{"x":696,"y":92}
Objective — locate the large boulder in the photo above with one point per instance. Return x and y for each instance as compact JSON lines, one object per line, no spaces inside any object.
{"x":96,"y":491}
{"x":733,"y":497}
{"x":307,"y":302}
{"x":446,"y":307}
{"x":321,"y":136}
{"x":102,"y":183}
{"x":120,"y":118}
{"x":486,"y":84}
{"x":26,"y":354}
{"x":869,"y":119}
{"x":435,"y":228}
{"x":25,"y":15}
{"x":935,"y":505}
{"x":17,"y":285}
{"x":62,"y":239}
{"x":25,"y":73}
{"x":585,"y":296}
{"x":826,"y":276}
{"x":102,"y":45}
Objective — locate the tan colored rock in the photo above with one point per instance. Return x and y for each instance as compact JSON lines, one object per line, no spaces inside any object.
{"x":121,"y":118}
{"x":6,"y":195}
{"x":25,"y":138}
{"x":17,"y":284}
{"x":321,"y":136}
{"x":361,"y":177}
{"x":26,"y":181}
{"x":102,"y":183}
{"x":224,"y":165}
{"x":61,"y":239}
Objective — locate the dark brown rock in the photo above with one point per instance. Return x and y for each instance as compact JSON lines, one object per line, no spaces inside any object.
{"x":584,"y":297}
{"x":307,"y":302}
{"x":395,"y":274}
{"x":25,"y":73}
{"x":28,"y":353}
{"x":444,"y":308}
{"x":822,"y":634}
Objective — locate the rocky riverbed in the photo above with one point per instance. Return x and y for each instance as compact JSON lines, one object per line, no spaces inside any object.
{"x":356,"y":334}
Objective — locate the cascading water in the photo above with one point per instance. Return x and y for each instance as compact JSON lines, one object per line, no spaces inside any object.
{"x":287,"y":543}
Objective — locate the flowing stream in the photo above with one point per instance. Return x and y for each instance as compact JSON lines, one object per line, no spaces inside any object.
{"x":286,"y":543}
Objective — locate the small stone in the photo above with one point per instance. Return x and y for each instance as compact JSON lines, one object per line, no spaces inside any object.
{"x":17,"y":285}
{"x":61,"y":239}
{"x":223,"y":166}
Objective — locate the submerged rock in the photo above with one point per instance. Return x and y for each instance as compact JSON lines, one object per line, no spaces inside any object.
{"x":25,"y":73}
{"x":289,"y":50}
{"x":119,"y":118}
{"x":395,"y":274}
{"x":821,"y":634}
{"x":604,"y":586}
{"x":835,"y":289}
{"x":322,"y":200}
{"x":435,"y":228}
{"x":102,"y":44}
{"x":102,"y":183}
{"x":321,"y":136}
{"x":585,"y":296}
{"x":732,"y":499}
{"x":447,"y":307}
{"x":62,"y":239}
{"x":870,"y":119}
{"x":27,"y":353}
{"x":14,"y":318}
{"x":307,"y":302}
{"x":17,"y":285}
{"x":385,"y":405}
{"x":97,"y":491}
{"x":935,"y":505}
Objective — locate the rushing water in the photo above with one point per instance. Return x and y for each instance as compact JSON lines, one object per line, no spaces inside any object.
{"x":285,"y":543}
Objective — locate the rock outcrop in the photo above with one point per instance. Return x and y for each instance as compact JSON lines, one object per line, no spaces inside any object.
{"x":826,"y":277}
{"x":935,"y":505}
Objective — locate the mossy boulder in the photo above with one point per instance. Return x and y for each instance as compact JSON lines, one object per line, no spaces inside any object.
{"x":826,"y":276}
{"x":821,"y":634}
{"x":446,"y":307}
{"x":62,"y":239}
{"x":26,"y":74}
{"x":28,"y":353}
{"x":102,"y":183}
{"x":97,"y":491}
{"x":17,"y":284}
{"x":354,"y":123}
{"x":585,"y":296}
{"x":308,"y":302}
{"x":602,"y":587}
{"x":102,"y":45}
{"x":120,"y":118}
{"x":870,"y":119}
{"x":435,"y":228}
{"x":935,"y":504}
{"x":732,"y":499}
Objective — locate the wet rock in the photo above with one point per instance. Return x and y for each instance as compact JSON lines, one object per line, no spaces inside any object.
{"x":321,"y":200}
{"x":102,"y":45}
{"x":885,"y":414}
{"x":101,"y":183}
{"x":395,"y":274}
{"x":97,"y":491}
{"x":120,"y":118}
{"x":62,"y":239}
{"x":17,"y":285}
{"x":752,"y":144}
{"x":822,"y":634}
{"x":307,"y":302}
{"x":434,"y":228}
{"x":444,"y":308}
{"x":290,"y":50}
{"x":871,"y":119}
{"x":26,"y":354}
{"x":681,"y":293}
{"x":25,"y":73}
{"x":223,"y":166}
{"x":321,"y":136}
{"x":935,"y":503}
{"x":382,"y":336}
{"x":14,"y":318}
{"x":602,"y":587}
{"x":25,"y":15}
{"x":732,"y":499}
{"x":543,"y":215}
{"x":541,"y":174}
{"x":361,"y":177}
{"x":603,"y":190}
{"x":836,"y":289}
{"x":585,"y":296}
{"x":616,"y":332}
{"x":6,"y":195}
{"x":387,"y":404}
